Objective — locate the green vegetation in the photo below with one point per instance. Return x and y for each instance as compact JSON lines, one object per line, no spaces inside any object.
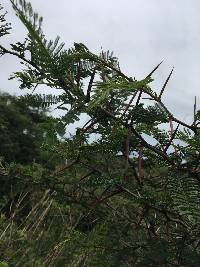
{"x":105,"y":196}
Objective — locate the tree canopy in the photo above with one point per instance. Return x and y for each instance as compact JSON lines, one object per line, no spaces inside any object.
{"x":124,"y":190}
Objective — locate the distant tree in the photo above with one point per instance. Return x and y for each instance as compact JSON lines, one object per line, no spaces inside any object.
{"x":120,"y":200}
{"x":24,"y":129}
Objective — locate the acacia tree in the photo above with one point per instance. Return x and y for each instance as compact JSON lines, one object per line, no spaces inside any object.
{"x":138,"y":202}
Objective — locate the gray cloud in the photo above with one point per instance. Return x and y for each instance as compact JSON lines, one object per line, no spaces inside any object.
{"x":140,"y":32}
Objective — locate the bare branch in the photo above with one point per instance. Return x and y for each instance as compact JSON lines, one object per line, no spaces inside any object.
{"x":129,"y":104}
{"x":195,"y":110}
{"x":165,"y":84}
{"x":171,"y":139}
{"x":90,"y":85}
{"x":149,"y":75}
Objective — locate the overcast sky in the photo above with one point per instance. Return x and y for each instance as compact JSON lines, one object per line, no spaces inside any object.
{"x":140,"y":32}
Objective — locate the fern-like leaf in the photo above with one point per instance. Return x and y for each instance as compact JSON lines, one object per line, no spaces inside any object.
{"x":43,"y":101}
{"x":4,"y":26}
{"x":185,"y":192}
{"x":33,"y":23}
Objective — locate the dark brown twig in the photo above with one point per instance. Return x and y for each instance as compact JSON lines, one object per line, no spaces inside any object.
{"x":139,"y":97}
{"x":84,"y":130}
{"x":86,"y":175}
{"x":90,"y":85}
{"x":66,"y":167}
{"x":129,"y":104}
{"x":171,"y":139}
{"x":195,"y":110}
{"x":127,"y":150}
{"x":78,"y":77}
{"x":118,"y":71}
{"x":150,"y":74}
{"x":165,"y":84}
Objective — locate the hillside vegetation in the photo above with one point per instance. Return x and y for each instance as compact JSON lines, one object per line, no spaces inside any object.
{"x":106,"y":195}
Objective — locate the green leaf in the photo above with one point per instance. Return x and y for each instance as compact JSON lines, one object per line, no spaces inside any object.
{"x":3,"y":264}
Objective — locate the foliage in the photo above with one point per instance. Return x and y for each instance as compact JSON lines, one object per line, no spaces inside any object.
{"x":24,"y":129}
{"x":4,"y":27}
{"x":121,"y":191}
